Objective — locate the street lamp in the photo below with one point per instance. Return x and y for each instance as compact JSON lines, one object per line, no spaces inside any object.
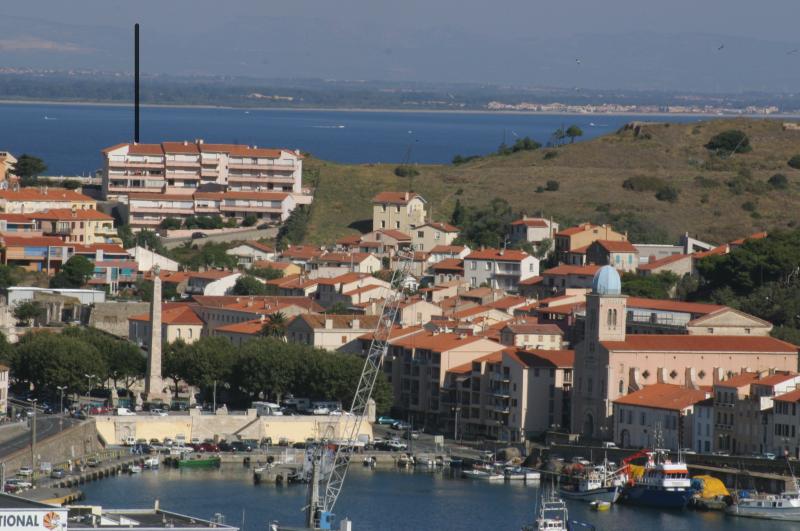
{"x":89,"y":377}
{"x":61,"y":389}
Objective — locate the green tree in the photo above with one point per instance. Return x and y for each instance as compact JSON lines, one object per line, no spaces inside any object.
{"x":7,"y":353}
{"x":573,"y":132}
{"x":266,"y":273}
{"x":249,"y":220}
{"x":275,"y":326}
{"x":124,"y":361}
{"x":71,"y":184}
{"x":48,"y":360}
{"x":74,"y":273}
{"x":249,"y":285}
{"x":10,"y":276}
{"x":170,"y":224}
{"x":543,"y":249}
{"x":28,"y":168}
{"x":778,"y":181}
{"x":525,"y":144}
{"x":668,"y":193}
{"x":211,"y":255}
{"x":558,"y":136}
{"x":794,"y":162}
{"x":487,"y":226}
{"x":458,"y":215}
{"x":30,"y":312}
{"x":658,"y":286}
{"x":294,"y":229}
{"x":176,"y":362}
{"x":406,"y":170}
{"x":267,"y":368}
{"x":212,"y":359}
{"x":552,"y":186}
{"x":730,"y":141}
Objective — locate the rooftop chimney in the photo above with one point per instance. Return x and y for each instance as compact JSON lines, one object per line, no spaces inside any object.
{"x":406,"y":196}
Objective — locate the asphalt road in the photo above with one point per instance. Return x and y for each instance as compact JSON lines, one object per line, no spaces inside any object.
{"x":425,"y":442}
{"x":255,"y":234}
{"x":46,"y":426}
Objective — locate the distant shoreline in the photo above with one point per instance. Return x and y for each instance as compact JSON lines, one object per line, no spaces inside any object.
{"x":390,"y":110}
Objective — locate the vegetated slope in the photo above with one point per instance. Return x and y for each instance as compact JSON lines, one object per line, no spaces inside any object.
{"x":719,"y":196}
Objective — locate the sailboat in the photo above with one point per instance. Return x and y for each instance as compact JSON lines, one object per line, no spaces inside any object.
{"x":784,"y":506}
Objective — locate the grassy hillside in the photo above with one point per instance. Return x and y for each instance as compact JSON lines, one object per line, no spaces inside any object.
{"x":720,"y":197}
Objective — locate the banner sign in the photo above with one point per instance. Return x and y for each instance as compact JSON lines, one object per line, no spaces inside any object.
{"x":33,"y":519}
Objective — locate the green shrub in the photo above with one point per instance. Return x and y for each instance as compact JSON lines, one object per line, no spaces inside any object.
{"x":249,"y":220}
{"x":779,"y":181}
{"x":643,"y":183}
{"x":550,"y":155}
{"x":668,"y":193}
{"x":458,"y":159}
{"x":539,"y":189}
{"x":525,"y":144}
{"x":749,"y":206}
{"x":730,"y":141}
{"x":704,"y":199}
{"x":794,"y":162}
{"x":170,"y":223}
{"x":705,"y":182}
{"x":406,"y":171}
{"x":552,"y":186}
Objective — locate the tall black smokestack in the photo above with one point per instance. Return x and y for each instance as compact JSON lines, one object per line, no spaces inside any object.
{"x":136,"y":82}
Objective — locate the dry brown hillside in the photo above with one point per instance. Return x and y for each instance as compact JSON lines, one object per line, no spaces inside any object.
{"x":720,"y":197}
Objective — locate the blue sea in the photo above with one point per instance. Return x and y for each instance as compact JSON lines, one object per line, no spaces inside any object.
{"x":70,"y":137}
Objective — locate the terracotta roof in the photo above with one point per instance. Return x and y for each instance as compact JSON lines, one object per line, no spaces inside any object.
{"x":661,"y":262}
{"x":68,"y":214}
{"x":33,"y":241}
{"x":260,"y":246}
{"x":145,"y":149}
{"x":315,"y":320}
{"x":52,"y":194}
{"x":739,"y":380}
{"x":579,"y":250}
{"x":251,"y":328}
{"x":464,"y":368}
{"x":444,"y":227}
{"x":776,"y":378}
{"x":363,"y":289}
{"x":575,"y":230}
{"x":492,"y":357}
{"x":544,"y":358}
{"x":565,"y":269}
{"x":719,"y":250}
{"x":349,"y":240}
{"x":16,"y":218}
{"x":533,"y":328}
{"x":293,"y":282}
{"x":687,"y":343}
{"x":500,"y":255}
{"x":699,"y":321}
{"x":508,"y":302}
{"x":301,"y":252}
{"x":792,"y":396}
{"x":469,"y":312}
{"x":673,"y":306}
{"x":437,"y":342}
{"x":110,"y":248}
{"x":172,"y":313}
{"x":756,"y":236}
{"x":344,"y":279}
{"x":663,"y":396}
{"x":449,"y":264}
{"x":395,"y":332}
{"x":531,"y":222}
{"x":564,"y":309}
{"x":531,"y":281}
{"x":211,"y":274}
{"x":269,"y":264}
{"x":447,"y":249}
{"x":395,"y":198}
{"x":256,"y":302}
{"x":180,"y":147}
{"x":617,"y":247}
{"x":341,"y":258}
{"x":396,"y":234}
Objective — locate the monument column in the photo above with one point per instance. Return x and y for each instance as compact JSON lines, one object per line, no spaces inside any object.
{"x":153,"y":383}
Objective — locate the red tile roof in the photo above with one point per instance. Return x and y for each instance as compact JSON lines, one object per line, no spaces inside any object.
{"x":33,"y":241}
{"x":180,"y":147}
{"x":565,"y":269}
{"x":776,"y":378}
{"x":447,"y":249}
{"x":143,"y":149}
{"x":533,"y":328}
{"x":68,"y":214}
{"x":531,"y":222}
{"x":664,"y":396}
{"x":172,"y":313}
{"x":395,"y":198}
{"x":508,"y":302}
{"x":544,"y":358}
{"x":437,"y":342}
{"x":16,"y":218}
{"x":531,"y":281}
{"x":449,"y":264}
{"x":396,"y":234}
{"x":617,"y":247}
{"x":444,"y":227}
{"x":343,"y":279}
{"x":51,"y":194}
{"x":301,"y":252}
{"x":260,"y":246}
{"x":250,"y":328}
{"x":498,"y":255}
{"x":575,"y":230}
{"x":739,"y":380}
{"x":687,"y":343}
{"x":661,"y":262}
{"x":673,"y":306}
{"x":110,"y":248}
{"x":792,"y":396}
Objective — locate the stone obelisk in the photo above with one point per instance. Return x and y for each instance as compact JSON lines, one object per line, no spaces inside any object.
{"x":153,"y":382}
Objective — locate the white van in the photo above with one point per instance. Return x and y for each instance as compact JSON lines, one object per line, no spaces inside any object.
{"x":266,"y":409}
{"x":130,"y":440}
{"x":124,"y":412}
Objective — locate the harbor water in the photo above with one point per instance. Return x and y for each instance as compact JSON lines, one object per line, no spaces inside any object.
{"x":384,"y":500}
{"x":70,"y":137}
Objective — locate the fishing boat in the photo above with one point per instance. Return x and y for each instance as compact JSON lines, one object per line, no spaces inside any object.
{"x":151,"y":463}
{"x":199,"y":462}
{"x":595,"y":485}
{"x":662,"y":484}
{"x":521,"y":473}
{"x":784,"y":506}
{"x":483,"y":472}
{"x":553,"y":515}
{"x":134,"y":469}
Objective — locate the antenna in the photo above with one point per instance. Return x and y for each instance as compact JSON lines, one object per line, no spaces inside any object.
{"x":136,"y":82}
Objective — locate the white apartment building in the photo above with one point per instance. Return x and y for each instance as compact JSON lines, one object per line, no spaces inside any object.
{"x":533,"y":230}
{"x":499,"y":268}
{"x":182,"y":167}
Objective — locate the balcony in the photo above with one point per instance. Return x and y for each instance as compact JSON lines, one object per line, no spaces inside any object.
{"x":242,"y":208}
{"x":127,"y":164}
{"x":183,"y":164}
{"x":182,"y":175}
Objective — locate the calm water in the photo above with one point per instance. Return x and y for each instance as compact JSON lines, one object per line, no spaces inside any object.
{"x":383,"y":500}
{"x":69,"y":137}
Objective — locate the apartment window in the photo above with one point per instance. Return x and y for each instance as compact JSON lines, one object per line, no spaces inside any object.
{"x":383,"y":224}
{"x":642,"y":419}
{"x":747,"y":331}
{"x":473,"y":265}
{"x":398,"y":209}
{"x":344,"y":340}
{"x":530,"y":267}
{"x":488,"y":266}
{"x":710,"y":330}
{"x":473,"y":282}
{"x":179,"y":333}
{"x":420,"y":234}
{"x":437,"y":235}
{"x":397,"y":224}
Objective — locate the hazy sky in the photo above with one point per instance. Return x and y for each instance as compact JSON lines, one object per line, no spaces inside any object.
{"x":640,"y":44}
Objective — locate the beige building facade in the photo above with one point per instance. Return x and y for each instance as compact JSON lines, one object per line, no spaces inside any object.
{"x":402,"y":211}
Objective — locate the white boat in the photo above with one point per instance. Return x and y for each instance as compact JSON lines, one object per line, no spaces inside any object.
{"x":484,"y":472}
{"x":784,"y":506}
{"x":151,"y":463}
{"x":553,"y":515}
{"x":134,"y":469}
{"x":521,"y":473}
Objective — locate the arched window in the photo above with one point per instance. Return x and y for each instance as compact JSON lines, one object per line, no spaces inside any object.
{"x":179,"y":333}
{"x":609,"y":321}
{"x":615,"y":318}
{"x":621,"y":386}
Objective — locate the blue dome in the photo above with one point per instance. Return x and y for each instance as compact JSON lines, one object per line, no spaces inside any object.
{"x":606,"y":281}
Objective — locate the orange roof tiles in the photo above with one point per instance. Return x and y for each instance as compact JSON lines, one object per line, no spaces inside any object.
{"x":617,"y":247}
{"x":544,"y":358}
{"x":180,"y":147}
{"x":575,"y":230}
{"x":739,"y":380}
{"x":444,"y":227}
{"x":663,"y":396}
{"x":565,"y":269}
{"x":673,"y":305}
{"x":173,"y":313}
{"x":449,"y":264}
{"x":499,"y":255}
{"x":144,"y":149}
{"x":531,"y":222}
{"x":260,"y":246}
{"x":533,"y":328}
{"x":436,"y":342}
{"x":44,"y":194}
{"x":301,"y":252}
{"x":507,"y":302}
{"x":776,"y":378}
{"x":33,"y":241}
{"x":68,"y":213}
{"x":447,"y":249}
{"x":687,"y":343}
{"x":15,"y":218}
{"x":661,"y":262}
{"x":250,"y":328}
{"x":105,"y":247}
{"x":792,"y":396}
{"x":396,"y":234}
{"x":395,"y":198}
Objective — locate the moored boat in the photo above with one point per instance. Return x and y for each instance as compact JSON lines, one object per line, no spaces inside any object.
{"x":484,"y":472}
{"x":151,"y":463}
{"x":199,"y":462}
{"x":521,"y":473}
{"x":662,"y":484}
{"x":784,"y":506}
{"x":595,"y":485}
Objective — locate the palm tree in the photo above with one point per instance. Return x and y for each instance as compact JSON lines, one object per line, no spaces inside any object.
{"x":275,"y":326}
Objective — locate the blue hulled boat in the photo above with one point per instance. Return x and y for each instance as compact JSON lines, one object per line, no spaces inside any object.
{"x":663,"y":484}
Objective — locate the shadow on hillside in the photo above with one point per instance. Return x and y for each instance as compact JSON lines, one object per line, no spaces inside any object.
{"x":362,"y":225}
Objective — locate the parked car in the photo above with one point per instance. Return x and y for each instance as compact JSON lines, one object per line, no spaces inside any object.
{"x":412,"y":434}
{"x":92,"y":462}
{"x":224,"y":446}
{"x":609,"y":444}
{"x":207,"y":447}
{"x":158,"y":412}
{"x":241,"y":446}
{"x":199,"y":235}
{"x":124,"y":412}
{"x":263,"y":226}
{"x":400,"y":426}
{"x":57,"y":473}
{"x":25,"y":472}
{"x":386,"y":421}
{"x":768,"y":455}
{"x":396,"y":445}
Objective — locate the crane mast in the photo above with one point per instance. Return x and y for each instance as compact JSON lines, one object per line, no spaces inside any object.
{"x":320,"y":509}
